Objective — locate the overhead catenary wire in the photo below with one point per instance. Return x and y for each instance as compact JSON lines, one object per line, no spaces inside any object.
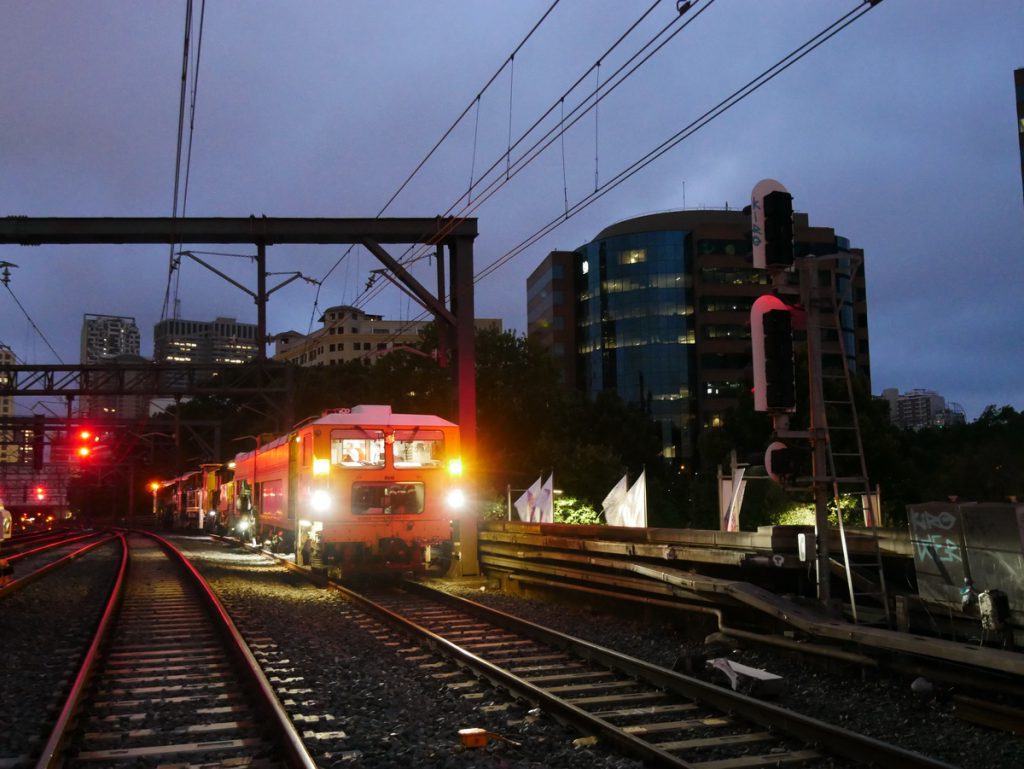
{"x":33,"y":323}
{"x":447,"y":133}
{"x":181,"y":191}
{"x":734,"y":98}
{"x":722,"y":106}
{"x":579,"y":111}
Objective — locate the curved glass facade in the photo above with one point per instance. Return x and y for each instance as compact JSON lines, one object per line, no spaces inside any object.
{"x":635,"y":326}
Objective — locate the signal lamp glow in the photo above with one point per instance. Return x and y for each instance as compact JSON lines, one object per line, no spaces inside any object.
{"x":85,"y":435}
{"x":320,"y":501}
{"x":84,"y":451}
{"x":455,"y":466}
{"x":456,"y":499}
{"x":321,"y":466}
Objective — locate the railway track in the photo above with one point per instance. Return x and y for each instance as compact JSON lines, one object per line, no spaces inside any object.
{"x":662,"y":717}
{"x":168,"y":679}
{"x":32,"y":559}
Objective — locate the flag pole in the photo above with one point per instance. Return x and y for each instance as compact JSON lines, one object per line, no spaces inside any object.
{"x":643,"y":472}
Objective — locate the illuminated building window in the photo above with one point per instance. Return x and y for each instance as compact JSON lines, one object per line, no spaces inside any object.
{"x":633,"y":256}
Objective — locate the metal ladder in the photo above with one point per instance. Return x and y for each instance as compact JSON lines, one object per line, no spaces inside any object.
{"x":847,"y":468}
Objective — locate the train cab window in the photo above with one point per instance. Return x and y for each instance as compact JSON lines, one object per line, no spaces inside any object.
{"x":307,"y":449}
{"x":419,"y":448}
{"x":356,"y":447}
{"x":387,"y":498}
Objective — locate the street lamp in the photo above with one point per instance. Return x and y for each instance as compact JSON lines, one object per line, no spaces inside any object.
{"x":154,"y":486}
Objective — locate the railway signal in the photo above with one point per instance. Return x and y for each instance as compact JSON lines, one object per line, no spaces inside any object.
{"x":771,"y":225}
{"x":771,"y":334}
{"x":85,"y":443}
{"x":38,"y":440}
{"x":780,"y":462}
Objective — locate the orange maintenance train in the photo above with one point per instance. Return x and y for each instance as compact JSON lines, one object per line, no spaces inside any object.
{"x":360,"y":489}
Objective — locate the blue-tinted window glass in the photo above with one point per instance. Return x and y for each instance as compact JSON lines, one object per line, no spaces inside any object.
{"x":635,"y":325}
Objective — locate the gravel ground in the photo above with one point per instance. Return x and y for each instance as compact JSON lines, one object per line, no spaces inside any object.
{"x":875,"y":705}
{"x":44,"y":630}
{"x":390,"y":713}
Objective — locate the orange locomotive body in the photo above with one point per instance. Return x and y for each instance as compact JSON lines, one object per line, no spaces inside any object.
{"x":359,"y":489}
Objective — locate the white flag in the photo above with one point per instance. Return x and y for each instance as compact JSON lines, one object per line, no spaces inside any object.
{"x":526,"y":505}
{"x":546,"y":501}
{"x":732,"y":514}
{"x":612,"y":505}
{"x":634,"y":510}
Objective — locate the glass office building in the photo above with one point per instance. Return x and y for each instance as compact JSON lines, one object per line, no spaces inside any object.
{"x":658,"y":311}
{"x":635,"y":332}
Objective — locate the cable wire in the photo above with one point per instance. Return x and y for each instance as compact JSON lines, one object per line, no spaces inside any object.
{"x":177,"y":158}
{"x":725,"y":104}
{"x":734,"y":98}
{"x":452,"y":127}
{"x":174,"y":263}
{"x":33,"y":323}
{"x":539,"y":145}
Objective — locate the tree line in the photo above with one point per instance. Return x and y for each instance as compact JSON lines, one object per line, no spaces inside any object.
{"x":530,"y":424}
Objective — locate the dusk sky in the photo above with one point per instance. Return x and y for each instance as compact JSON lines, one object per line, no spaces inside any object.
{"x":899,"y":132}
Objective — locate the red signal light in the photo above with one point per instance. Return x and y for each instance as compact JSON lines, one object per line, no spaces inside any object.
{"x":85,"y":440}
{"x":40,"y":493}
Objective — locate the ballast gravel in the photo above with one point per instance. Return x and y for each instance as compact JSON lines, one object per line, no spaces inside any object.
{"x":374,"y":703}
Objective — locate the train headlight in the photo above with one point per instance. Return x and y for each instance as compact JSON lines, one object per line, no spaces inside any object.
{"x":456,"y":499}
{"x":320,"y":501}
{"x":243,"y":525}
{"x":455,"y":467}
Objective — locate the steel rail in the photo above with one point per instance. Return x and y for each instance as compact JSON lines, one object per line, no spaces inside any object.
{"x":840,"y":741}
{"x":50,"y":757}
{"x":28,"y":579}
{"x":294,"y":753}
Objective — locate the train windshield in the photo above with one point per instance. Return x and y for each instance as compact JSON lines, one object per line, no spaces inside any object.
{"x":419,"y":448}
{"x":356,"y":447}
{"x":387,"y":498}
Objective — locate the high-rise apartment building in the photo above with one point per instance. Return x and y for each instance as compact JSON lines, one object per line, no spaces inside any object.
{"x":104,"y":337}
{"x":657,"y":309}
{"x":8,"y":443}
{"x":107,"y":339}
{"x":220,"y":341}
{"x":919,"y":409}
